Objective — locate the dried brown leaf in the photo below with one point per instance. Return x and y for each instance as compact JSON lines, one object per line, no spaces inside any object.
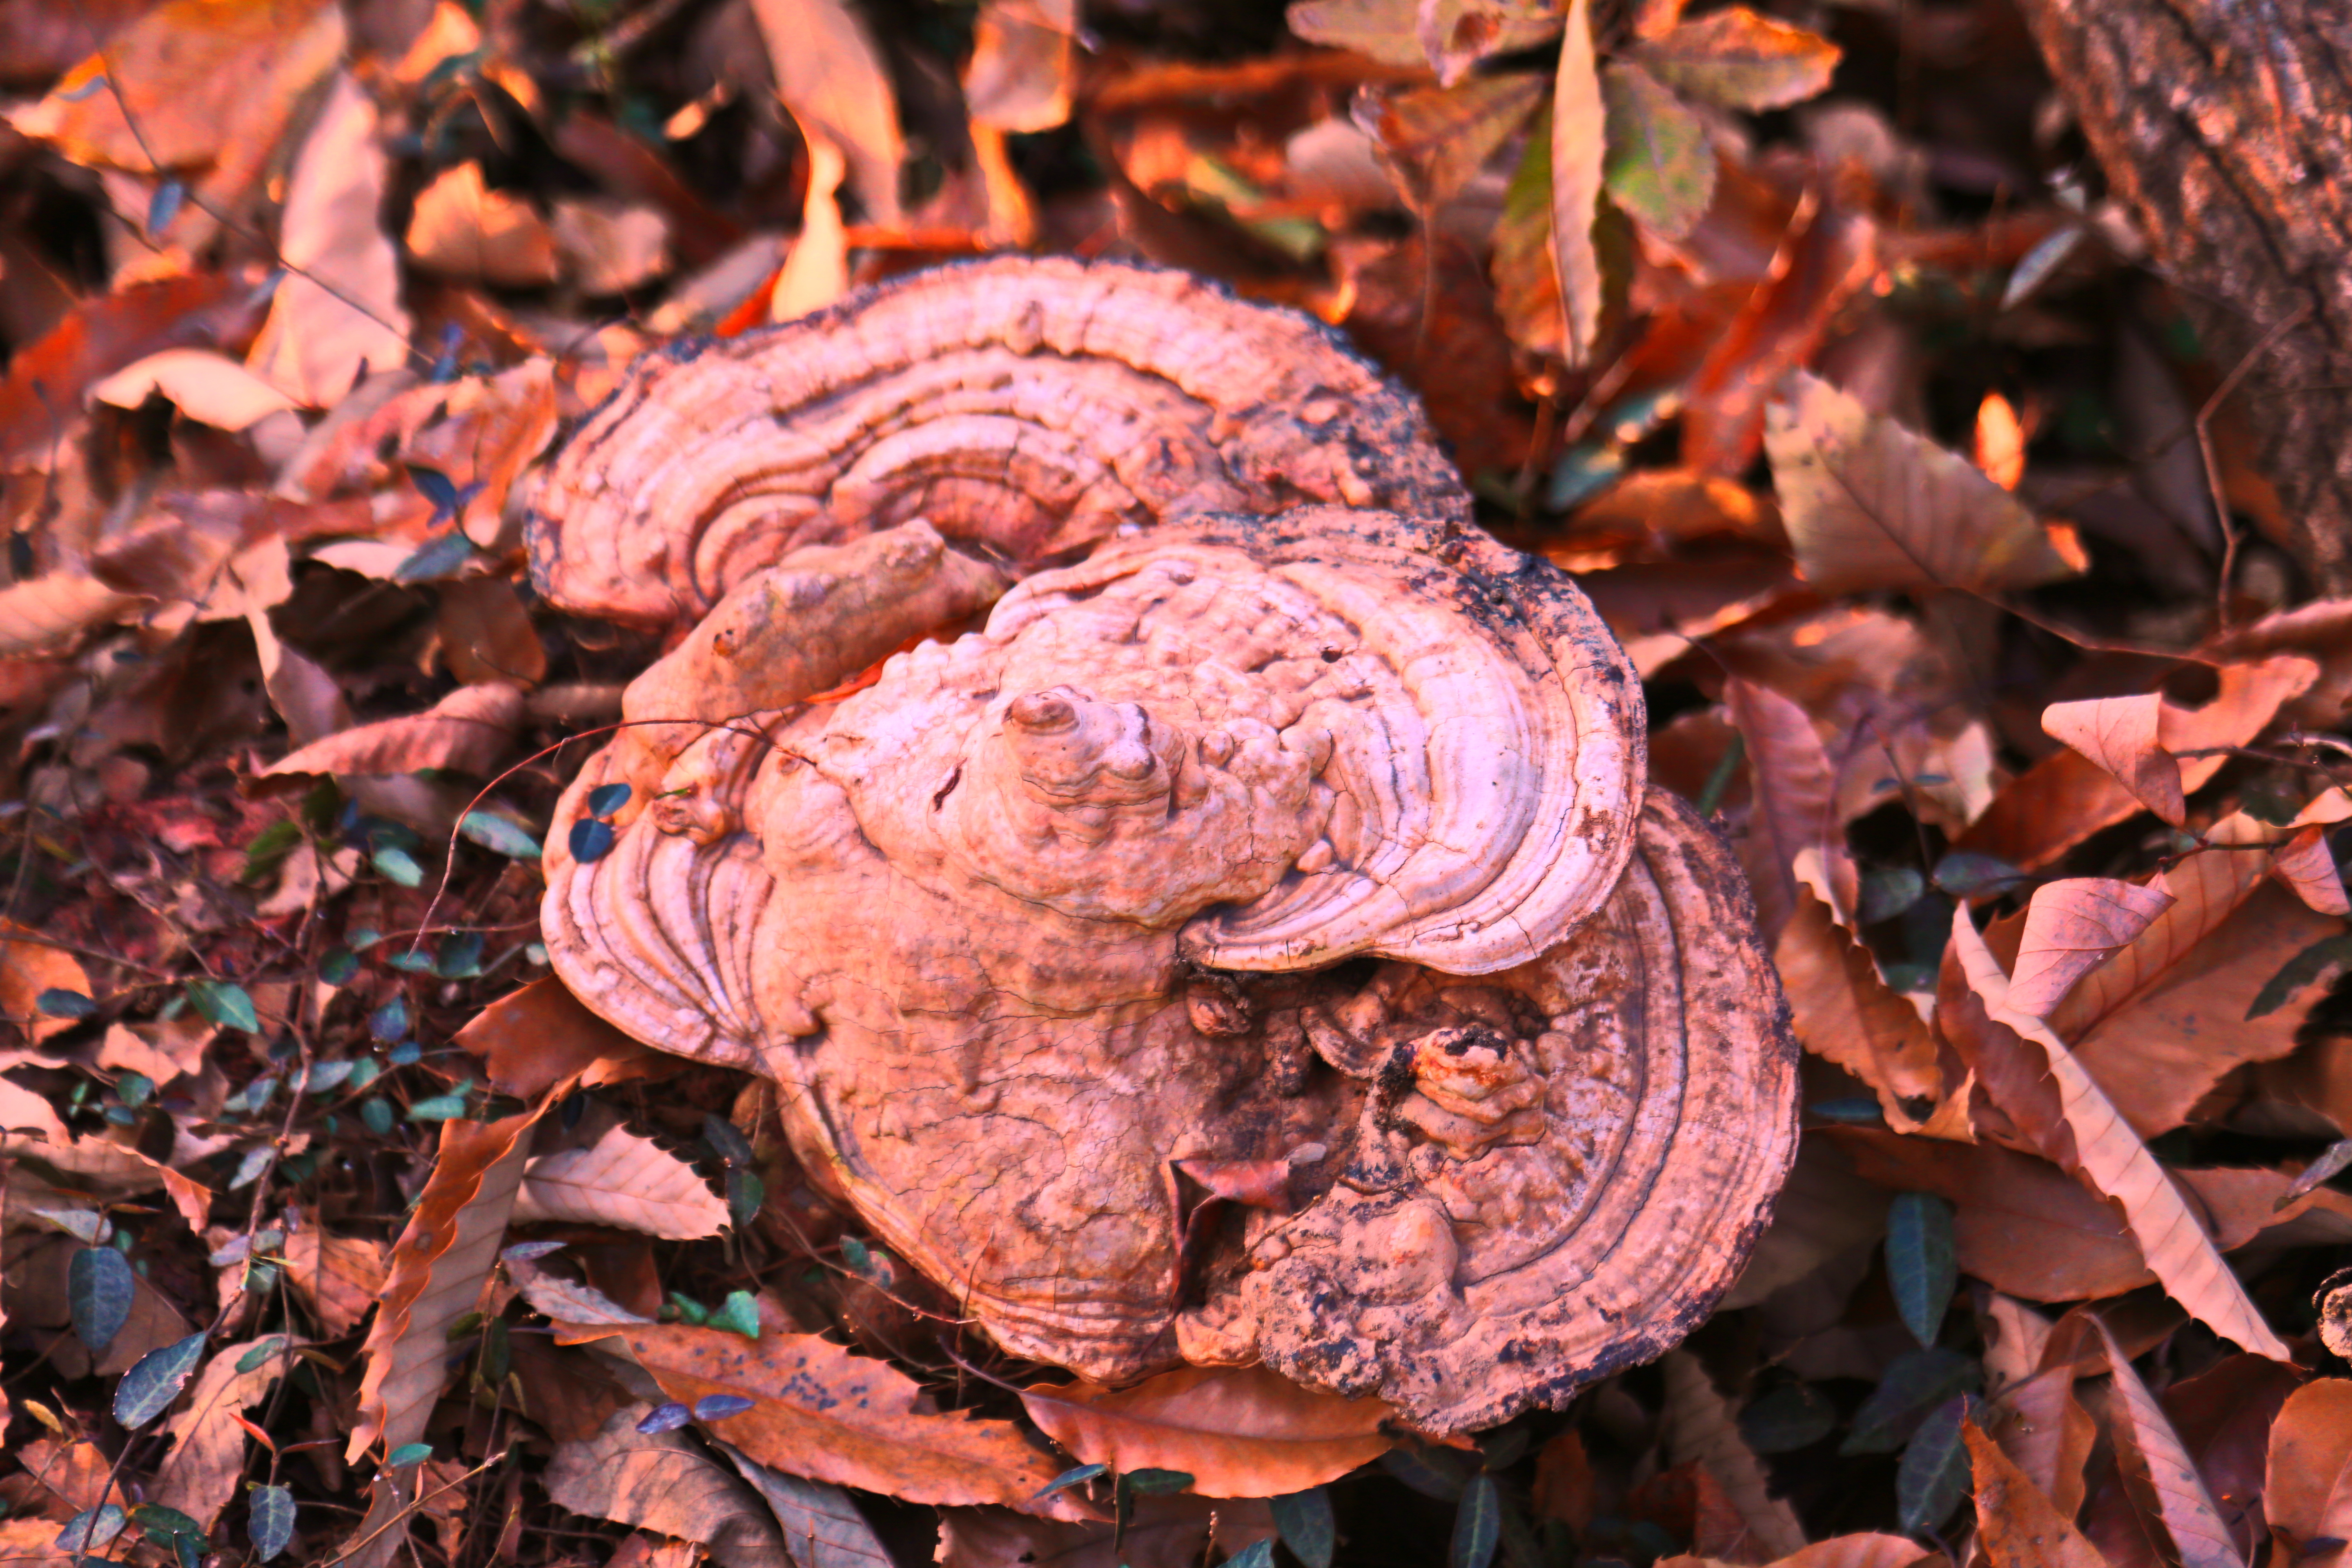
{"x":462,"y":227}
{"x":1868,"y":1550}
{"x":2016,"y":1521}
{"x":1387,"y":31}
{"x":1871,"y":505}
{"x":1794,"y":790}
{"x":1238,"y":1432}
{"x":831,"y":76}
{"x":2089,"y":1136}
{"x":532,"y":1039}
{"x":200,"y":1475}
{"x":1166,"y":1532}
{"x":1578,"y":149}
{"x":26,"y":970}
{"x":621,"y":1180}
{"x":665,"y":1482}
{"x":341,"y":1276}
{"x":2307,"y":1484}
{"x":43,"y":615}
{"x":2158,"y":1470}
{"x":2306,"y":864}
{"x":2071,"y":927}
{"x":1738,"y":59}
{"x":821,"y":1411}
{"x":2047,"y":1433}
{"x":467,"y":731}
{"x":1431,"y":139}
{"x":208,"y":387}
{"x":2119,"y":734}
{"x":1845,"y":1013}
{"x":1701,"y":1429}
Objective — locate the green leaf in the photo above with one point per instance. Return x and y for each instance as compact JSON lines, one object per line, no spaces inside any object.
{"x":399,"y":865}
{"x":91,"y":1529}
{"x":438,"y":1108}
{"x":408,"y":1454}
{"x":1432,"y":1472}
{"x":1788,"y":1417}
{"x":390,"y":1022}
{"x":2299,"y":971}
{"x":269,"y":848}
{"x":1922,"y":1261}
{"x":1887,"y":893}
{"x":1659,"y":165}
{"x":338,"y":967}
{"x":1258,"y":1553}
{"x":57,"y":1003}
{"x":1477,"y":1524}
{"x":745,"y":1193}
{"x":376,"y":1116}
{"x":606,"y":799}
{"x":253,"y":1360}
{"x":1156,"y":1483}
{"x":225,"y":1005}
{"x":1304,"y":1519}
{"x":459,"y":955}
{"x":496,"y":834}
{"x":1915,"y":1383}
{"x":98,"y":1287}
{"x":270,"y":1522}
{"x":740,"y":1313}
{"x":1076,"y":1477}
{"x":160,"y":1524}
{"x":155,"y":1381}
{"x":1934,"y":1474}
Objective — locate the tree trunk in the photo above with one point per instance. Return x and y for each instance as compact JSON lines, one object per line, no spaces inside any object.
{"x":2226,"y":129}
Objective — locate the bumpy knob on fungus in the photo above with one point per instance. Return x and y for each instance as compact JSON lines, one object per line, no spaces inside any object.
{"x":1252,"y":944}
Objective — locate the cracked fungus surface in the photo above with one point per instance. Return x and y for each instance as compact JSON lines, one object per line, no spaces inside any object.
{"x":1251,"y":944}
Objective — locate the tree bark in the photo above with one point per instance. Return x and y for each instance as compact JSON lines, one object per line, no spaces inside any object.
{"x":2225,"y":128}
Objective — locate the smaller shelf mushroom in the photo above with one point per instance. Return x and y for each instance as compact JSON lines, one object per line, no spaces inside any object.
{"x":1251,"y":944}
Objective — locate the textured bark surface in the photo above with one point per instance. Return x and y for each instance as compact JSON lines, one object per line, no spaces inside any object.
{"x":2226,"y":129}
{"x":1251,"y":945}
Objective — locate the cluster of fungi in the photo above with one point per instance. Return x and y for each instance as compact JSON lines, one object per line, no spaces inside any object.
{"x":1251,"y":939}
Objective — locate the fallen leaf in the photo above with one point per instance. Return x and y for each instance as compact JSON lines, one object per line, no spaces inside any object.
{"x":2044,"y":1430}
{"x":487,"y":633}
{"x":1238,"y":1431}
{"x":29,"y":971}
{"x":830,"y":75}
{"x":621,"y":1180}
{"x":1165,"y":1532}
{"x":1387,"y":31}
{"x":1740,"y":59}
{"x":341,"y":1276}
{"x":2088,"y":1135}
{"x":1701,"y":1429}
{"x":608,"y":247}
{"x":1433,"y":139}
{"x":48,"y":614}
{"x":531,"y":1039}
{"x":827,"y":1413}
{"x":1869,"y":1550}
{"x":1845,"y":1012}
{"x":200,"y":1475}
{"x":462,"y":227}
{"x":1579,"y":149}
{"x":2072,"y":927}
{"x":208,"y":387}
{"x":467,"y":731}
{"x":664,"y":1481}
{"x":2016,"y":1521}
{"x":1871,"y":505}
{"x":2119,"y":734}
{"x":1794,"y":794}
{"x":2159,"y":1471}
{"x":2306,"y":864}
{"x":338,"y":313}
{"x":2307,"y":1484}
{"x":1023,"y":64}
{"x":822,"y":1525}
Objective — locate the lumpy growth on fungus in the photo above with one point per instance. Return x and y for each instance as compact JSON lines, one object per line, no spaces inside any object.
{"x":1252,"y":939}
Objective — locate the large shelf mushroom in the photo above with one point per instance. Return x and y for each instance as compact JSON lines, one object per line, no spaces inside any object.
{"x":1252,"y":942}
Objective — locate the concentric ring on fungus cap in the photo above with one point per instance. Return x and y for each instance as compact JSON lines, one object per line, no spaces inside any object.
{"x":1031,"y":406}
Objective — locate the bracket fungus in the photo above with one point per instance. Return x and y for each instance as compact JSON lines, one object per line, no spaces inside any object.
{"x":1249,"y":942}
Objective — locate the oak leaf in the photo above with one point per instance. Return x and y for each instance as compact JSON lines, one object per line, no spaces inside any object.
{"x":1238,"y":1432}
{"x":623,"y":1180}
{"x":1869,"y":504}
{"x":2308,"y":1483}
{"x":825,"y":1413}
{"x":2088,"y":1135}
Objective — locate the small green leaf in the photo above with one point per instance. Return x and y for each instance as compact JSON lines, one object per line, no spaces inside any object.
{"x":591,"y":840}
{"x":1787,"y":1418}
{"x":155,"y":1380}
{"x":270,"y":1522}
{"x":376,"y":1116}
{"x":1432,"y":1472}
{"x":1156,"y":1482}
{"x":438,"y":1108}
{"x":740,"y":1313}
{"x":133,"y":1088}
{"x":1885,"y":894}
{"x":1964,"y":873}
{"x":459,"y":956}
{"x":745,"y":1193}
{"x":390,"y":1022}
{"x":1658,"y":164}
{"x":91,"y":1529}
{"x":606,"y":799}
{"x":1934,"y":1474}
{"x":398,"y":865}
{"x":338,"y":967}
{"x":99,"y":1288}
{"x":498,"y":834}
{"x":225,"y":1005}
{"x":60,"y":1004}
{"x":161,"y":1523}
{"x":1922,"y":1261}
{"x":1477,"y":1524}
{"x":1258,"y":1553}
{"x":1304,"y":1520}
{"x":408,"y":1454}
{"x":1915,"y":1383}
{"x":254,"y":1359}
{"x":1068,"y":1478}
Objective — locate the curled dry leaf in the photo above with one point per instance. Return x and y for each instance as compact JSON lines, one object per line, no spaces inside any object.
{"x":831,"y":76}
{"x":1794,"y":815}
{"x":1580,"y":121}
{"x":1845,"y":1012}
{"x":200,"y":1475}
{"x":2088,"y":1135}
{"x":2307,"y":864}
{"x":1433,"y":139}
{"x":462,"y":227}
{"x":823,"y":1412}
{"x":208,"y":387}
{"x":2158,"y":1471}
{"x":1870,"y":505}
{"x":341,"y":1276}
{"x":2018,"y":1524}
{"x":621,"y":1180}
{"x":666,"y":1481}
{"x":28,"y":969}
{"x":2307,"y":1484}
{"x":532,"y":1039}
{"x":2119,"y":734}
{"x":467,"y":731}
{"x":1203,"y":744}
{"x":1239,"y":1432}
